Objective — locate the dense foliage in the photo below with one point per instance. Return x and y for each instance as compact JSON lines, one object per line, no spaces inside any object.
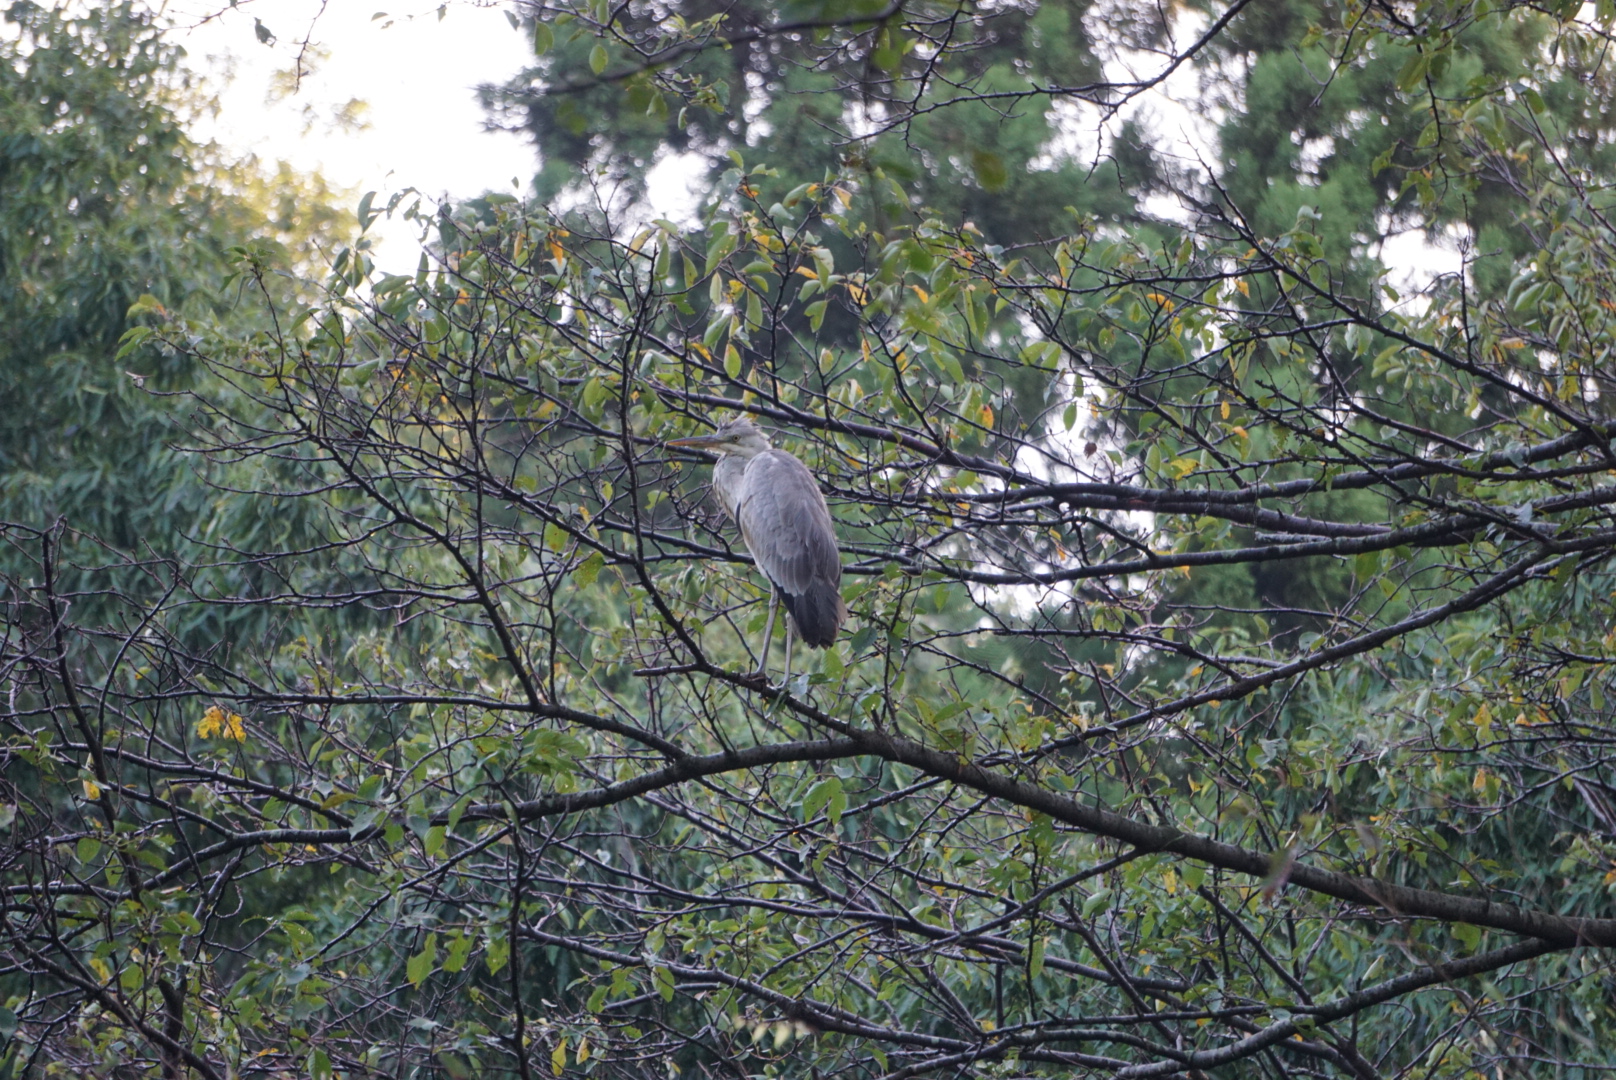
{"x":1228,"y":685}
{"x":106,"y":202}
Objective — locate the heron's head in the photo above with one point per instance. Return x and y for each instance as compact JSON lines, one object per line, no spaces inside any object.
{"x":739,"y":437}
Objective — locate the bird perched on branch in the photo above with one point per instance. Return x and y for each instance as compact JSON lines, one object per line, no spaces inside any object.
{"x":787,"y":528}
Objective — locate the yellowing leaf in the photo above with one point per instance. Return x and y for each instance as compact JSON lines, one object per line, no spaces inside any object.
{"x":1226,"y":410}
{"x":558,"y":1058}
{"x":92,"y":790}
{"x":211,"y":723}
{"x":226,"y":725}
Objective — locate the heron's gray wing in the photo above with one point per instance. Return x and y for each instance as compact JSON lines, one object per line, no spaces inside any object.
{"x":786,"y":524}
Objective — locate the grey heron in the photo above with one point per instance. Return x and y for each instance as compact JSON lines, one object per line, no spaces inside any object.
{"x":786,"y":526}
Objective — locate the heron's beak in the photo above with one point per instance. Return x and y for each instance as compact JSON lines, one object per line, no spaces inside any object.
{"x":697,"y":442}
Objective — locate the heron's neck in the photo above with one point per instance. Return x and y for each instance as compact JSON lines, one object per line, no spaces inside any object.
{"x":727,"y":476}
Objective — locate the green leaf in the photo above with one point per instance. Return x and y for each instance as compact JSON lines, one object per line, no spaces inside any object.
{"x":133,"y":338}
{"x":147,"y":304}
{"x":589,"y":569}
{"x":460,"y":947}
{"x":543,"y":38}
{"x":497,"y":955}
{"x":826,"y":795}
{"x":990,"y":170}
{"x":593,"y":394}
{"x":597,"y":59}
{"x":716,"y":330}
{"x":365,"y":215}
{"x":458,"y":810}
{"x":419,"y":966}
{"x":820,"y":795}
{"x":663,"y":977}
{"x":816,"y":314}
{"x":1413,"y":72}
{"x":455,"y":1066}
{"x":570,"y":117}
{"x":720,"y":246}
{"x":1035,"y":959}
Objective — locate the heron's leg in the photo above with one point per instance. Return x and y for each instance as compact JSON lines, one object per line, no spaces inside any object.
{"x":786,"y":682}
{"x":768,"y":634}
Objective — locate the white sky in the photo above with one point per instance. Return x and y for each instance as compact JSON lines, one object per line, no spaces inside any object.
{"x":417,"y":73}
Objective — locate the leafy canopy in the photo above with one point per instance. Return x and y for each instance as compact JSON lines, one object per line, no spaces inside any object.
{"x":1227,"y":687}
